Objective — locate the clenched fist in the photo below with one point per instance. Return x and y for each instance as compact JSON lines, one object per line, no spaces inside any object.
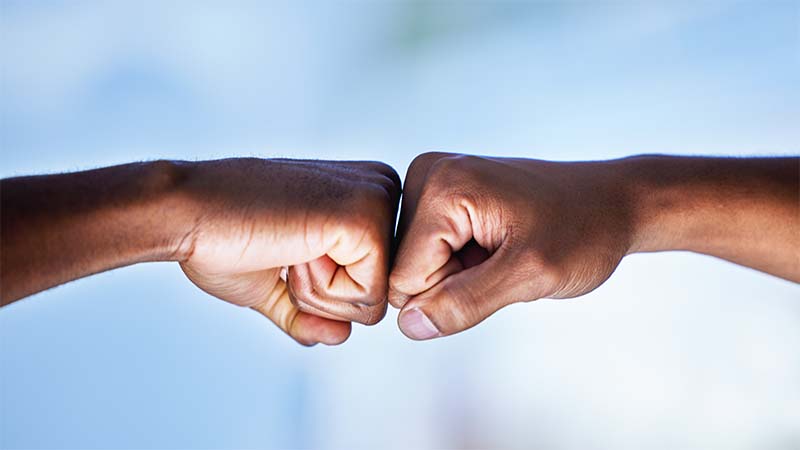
{"x":234,"y":225}
{"x":475,"y":233}
{"x":479,"y":233}
{"x":329,"y":223}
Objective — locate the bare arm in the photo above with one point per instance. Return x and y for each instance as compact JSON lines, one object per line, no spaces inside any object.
{"x":231,"y":224}
{"x":56,"y":228}
{"x":744,"y":210}
{"x":480,"y":233}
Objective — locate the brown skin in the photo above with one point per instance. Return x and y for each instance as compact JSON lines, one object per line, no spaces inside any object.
{"x":479,"y":233}
{"x":231,"y":224}
{"x":475,"y":234}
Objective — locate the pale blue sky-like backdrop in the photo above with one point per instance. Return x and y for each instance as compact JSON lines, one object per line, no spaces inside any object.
{"x":675,"y":351}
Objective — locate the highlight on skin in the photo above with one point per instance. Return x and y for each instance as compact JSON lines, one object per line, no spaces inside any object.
{"x":309,"y":244}
{"x":479,"y":233}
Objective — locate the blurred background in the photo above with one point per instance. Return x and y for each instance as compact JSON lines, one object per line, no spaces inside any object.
{"x":675,"y":351}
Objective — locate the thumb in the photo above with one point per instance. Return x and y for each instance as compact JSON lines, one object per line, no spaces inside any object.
{"x":463,"y":300}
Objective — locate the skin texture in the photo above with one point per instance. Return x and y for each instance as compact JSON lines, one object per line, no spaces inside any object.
{"x":475,"y":233}
{"x":478,"y":233}
{"x":233,"y":225}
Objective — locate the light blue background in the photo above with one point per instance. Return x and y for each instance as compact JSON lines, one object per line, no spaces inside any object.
{"x":675,"y":351}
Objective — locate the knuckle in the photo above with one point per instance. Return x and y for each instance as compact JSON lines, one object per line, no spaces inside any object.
{"x":445,"y":166}
{"x":398,"y":299}
{"x":456,"y":163}
{"x":376,"y":194}
{"x":397,"y":281}
{"x":368,"y":209}
{"x":458,"y":173}
{"x":375,"y":294}
{"x":392,"y":187}
{"x":302,"y":306}
{"x":405,"y":285}
{"x":303,"y":294}
{"x":373,"y":314}
{"x":389,"y":172}
{"x":370,"y":296}
{"x":371,"y":197}
{"x":423,"y":161}
{"x":382,"y":174}
{"x":461,"y":306}
{"x":367,"y":307}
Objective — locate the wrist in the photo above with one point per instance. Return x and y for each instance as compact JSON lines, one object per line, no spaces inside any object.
{"x":657,"y":207}
{"x":676,"y":203}
{"x":168,"y":213}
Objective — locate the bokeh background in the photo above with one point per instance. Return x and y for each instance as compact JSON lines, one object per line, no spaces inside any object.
{"x":675,"y":351}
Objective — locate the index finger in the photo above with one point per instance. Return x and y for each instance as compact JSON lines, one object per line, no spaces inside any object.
{"x":432,"y":229}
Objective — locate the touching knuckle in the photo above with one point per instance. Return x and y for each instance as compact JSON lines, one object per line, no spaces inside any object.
{"x":373,"y":314}
{"x":381,"y":174}
{"x":389,"y":172}
{"x":373,"y":295}
{"x":377,"y":290}
{"x":376,"y":194}
{"x":370,"y":198}
{"x":367,"y":209}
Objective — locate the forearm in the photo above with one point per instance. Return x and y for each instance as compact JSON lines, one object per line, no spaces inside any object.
{"x":746,"y":211}
{"x":57,"y":228}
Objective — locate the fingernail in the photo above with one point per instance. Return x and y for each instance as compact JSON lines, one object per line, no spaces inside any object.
{"x":416,"y":325}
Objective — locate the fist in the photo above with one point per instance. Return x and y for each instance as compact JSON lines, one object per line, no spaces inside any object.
{"x":476,"y":234}
{"x":306,"y":243}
